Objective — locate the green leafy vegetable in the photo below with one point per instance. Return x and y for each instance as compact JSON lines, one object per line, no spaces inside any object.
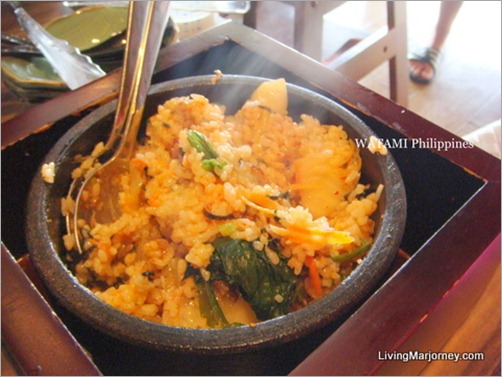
{"x":268,"y":288}
{"x":212,"y":164}
{"x":199,"y":141}
{"x":365,"y":246}
{"x":210,"y":160}
{"x":208,"y":303}
{"x":209,"y":307}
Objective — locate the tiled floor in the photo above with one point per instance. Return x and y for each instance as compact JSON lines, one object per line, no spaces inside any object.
{"x":466,"y":93}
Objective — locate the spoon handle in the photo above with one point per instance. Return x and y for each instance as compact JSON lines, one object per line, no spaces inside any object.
{"x":147,"y":22}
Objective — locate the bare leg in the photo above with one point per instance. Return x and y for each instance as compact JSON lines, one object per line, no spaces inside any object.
{"x":447,"y":14}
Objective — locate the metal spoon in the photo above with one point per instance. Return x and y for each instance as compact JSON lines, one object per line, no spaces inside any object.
{"x":147,"y":21}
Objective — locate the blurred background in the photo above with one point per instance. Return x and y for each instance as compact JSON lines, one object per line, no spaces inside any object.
{"x":466,"y":92}
{"x":464,"y":97}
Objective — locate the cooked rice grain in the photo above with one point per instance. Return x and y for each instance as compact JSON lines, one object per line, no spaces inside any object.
{"x":138,"y":263}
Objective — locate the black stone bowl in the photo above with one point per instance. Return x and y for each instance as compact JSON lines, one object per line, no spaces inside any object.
{"x":45,"y":227}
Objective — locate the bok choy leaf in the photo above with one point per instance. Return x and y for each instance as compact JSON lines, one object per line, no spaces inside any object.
{"x":268,"y":288}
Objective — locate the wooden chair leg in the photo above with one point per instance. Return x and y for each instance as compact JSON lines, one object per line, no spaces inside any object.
{"x":384,"y":45}
{"x":308,"y":29}
{"x":398,"y":64}
{"x":249,"y":18}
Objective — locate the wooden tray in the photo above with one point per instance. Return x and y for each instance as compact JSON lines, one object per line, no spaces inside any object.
{"x":453,"y":216}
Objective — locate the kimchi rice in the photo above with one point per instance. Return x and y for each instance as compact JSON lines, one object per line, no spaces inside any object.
{"x":229,"y":219}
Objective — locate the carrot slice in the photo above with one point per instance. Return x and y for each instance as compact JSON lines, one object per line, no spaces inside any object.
{"x":314,"y":275}
{"x":314,"y":237}
{"x":251,"y":204}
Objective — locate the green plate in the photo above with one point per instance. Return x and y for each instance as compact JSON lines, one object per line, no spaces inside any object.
{"x":90,"y":26}
{"x":35,"y":72}
{"x":98,"y":31}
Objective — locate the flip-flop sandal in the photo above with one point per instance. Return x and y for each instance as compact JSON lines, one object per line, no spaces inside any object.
{"x":429,"y":56}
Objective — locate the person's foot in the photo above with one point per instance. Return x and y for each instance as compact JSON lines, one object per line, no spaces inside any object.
{"x":423,"y":65}
{"x":421,"y":70}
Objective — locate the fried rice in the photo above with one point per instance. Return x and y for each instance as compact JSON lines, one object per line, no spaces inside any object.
{"x":204,"y":182}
